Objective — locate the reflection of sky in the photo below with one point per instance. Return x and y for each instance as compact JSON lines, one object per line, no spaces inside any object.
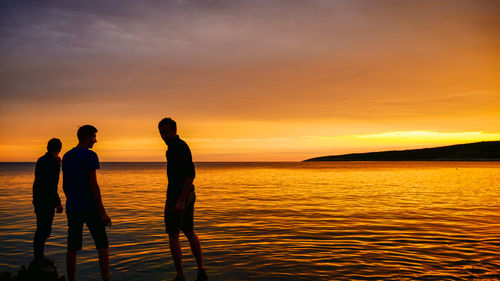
{"x":260,"y":70}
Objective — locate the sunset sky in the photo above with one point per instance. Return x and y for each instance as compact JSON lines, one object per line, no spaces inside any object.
{"x":258,"y":80}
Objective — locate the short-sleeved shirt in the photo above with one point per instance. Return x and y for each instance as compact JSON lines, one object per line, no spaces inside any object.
{"x":179,"y":166}
{"x":47,"y":171}
{"x":77,"y":165}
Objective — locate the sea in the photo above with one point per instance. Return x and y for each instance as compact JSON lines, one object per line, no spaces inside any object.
{"x":282,"y":221}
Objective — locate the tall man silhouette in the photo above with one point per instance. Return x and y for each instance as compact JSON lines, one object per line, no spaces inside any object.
{"x":45,"y":197}
{"x":83,"y":201}
{"x":179,"y":207}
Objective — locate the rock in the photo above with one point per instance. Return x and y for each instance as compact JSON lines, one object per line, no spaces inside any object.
{"x":46,"y":271}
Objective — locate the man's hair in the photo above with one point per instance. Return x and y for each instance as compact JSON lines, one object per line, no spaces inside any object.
{"x":168,"y":121}
{"x":54,"y":145}
{"x":86,"y":130}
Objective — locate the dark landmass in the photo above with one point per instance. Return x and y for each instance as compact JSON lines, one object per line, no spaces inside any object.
{"x":479,"y":151}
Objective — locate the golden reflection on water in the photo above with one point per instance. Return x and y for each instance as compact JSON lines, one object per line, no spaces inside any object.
{"x":291,"y":221}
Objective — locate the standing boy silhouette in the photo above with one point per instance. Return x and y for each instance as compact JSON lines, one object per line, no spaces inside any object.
{"x":179,"y":207}
{"x":46,"y":199}
{"x":84,"y":202}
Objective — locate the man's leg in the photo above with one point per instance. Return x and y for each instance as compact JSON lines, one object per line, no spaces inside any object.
{"x":195,"y":244}
{"x":75,"y":229}
{"x":104,"y":262}
{"x":98,"y":232}
{"x":172,"y":225}
{"x":71,"y":264}
{"x":44,"y":218}
{"x":175,"y":250}
{"x":194,"y":241}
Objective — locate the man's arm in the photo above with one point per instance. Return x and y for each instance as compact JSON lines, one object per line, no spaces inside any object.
{"x":56,"y":199}
{"x":189,"y":172}
{"x":36,"y":182}
{"x":96,"y":194}
{"x":64,"y":187}
{"x":181,"y":202}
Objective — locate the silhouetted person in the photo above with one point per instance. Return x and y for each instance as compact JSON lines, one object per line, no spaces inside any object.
{"x":45,"y":197}
{"x":179,"y":208}
{"x":84,"y":202}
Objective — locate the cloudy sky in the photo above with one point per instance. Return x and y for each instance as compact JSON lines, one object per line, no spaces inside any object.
{"x":248,"y":80}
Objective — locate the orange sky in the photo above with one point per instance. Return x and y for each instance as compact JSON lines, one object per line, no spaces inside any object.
{"x":249,"y":80}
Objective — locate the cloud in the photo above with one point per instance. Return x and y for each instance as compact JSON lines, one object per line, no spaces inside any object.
{"x":279,"y":66}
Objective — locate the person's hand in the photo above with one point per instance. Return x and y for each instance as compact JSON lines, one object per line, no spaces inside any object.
{"x":180,"y":207}
{"x":106,"y":219}
{"x":59,"y":209}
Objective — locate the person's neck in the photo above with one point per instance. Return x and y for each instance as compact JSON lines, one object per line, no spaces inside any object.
{"x":55,"y":154}
{"x":169,"y":140}
{"x":83,"y":144}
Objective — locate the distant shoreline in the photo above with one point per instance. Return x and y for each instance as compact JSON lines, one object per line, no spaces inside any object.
{"x":433,"y":160}
{"x":471,"y":152}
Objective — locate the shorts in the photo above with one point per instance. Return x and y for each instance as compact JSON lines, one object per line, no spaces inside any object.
{"x":174,"y":223}
{"x":95,"y":225}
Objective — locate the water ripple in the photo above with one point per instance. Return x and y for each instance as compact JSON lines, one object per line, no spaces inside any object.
{"x":285,"y":221}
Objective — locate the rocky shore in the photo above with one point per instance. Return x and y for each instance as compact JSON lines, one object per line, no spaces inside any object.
{"x":34,"y":272}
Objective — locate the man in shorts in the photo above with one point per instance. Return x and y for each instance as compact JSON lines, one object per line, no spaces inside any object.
{"x":45,"y":198}
{"x":179,"y":208}
{"x":83,"y":201}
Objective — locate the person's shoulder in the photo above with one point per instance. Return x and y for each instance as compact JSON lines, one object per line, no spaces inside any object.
{"x":182,"y":143}
{"x":68,"y":157}
{"x":91,"y":153}
{"x":41,"y":161}
{"x":86,"y":153}
{"x":46,"y":159}
{"x":42,"y":158}
{"x":184,"y":147}
{"x":79,"y":152}
{"x":69,"y":153}
{"x":92,"y":156}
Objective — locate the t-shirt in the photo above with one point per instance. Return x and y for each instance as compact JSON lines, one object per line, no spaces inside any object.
{"x":179,"y":166}
{"x":77,"y":165}
{"x":46,"y":179}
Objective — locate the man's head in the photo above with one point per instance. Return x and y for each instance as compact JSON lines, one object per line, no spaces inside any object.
{"x":87,"y":136}
{"x":54,"y":146}
{"x":167,"y":128}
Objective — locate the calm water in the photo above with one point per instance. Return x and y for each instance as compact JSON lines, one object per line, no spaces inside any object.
{"x":285,"y":221}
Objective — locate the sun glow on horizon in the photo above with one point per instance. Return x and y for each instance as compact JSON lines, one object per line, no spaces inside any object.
{"x":286,"y":148}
